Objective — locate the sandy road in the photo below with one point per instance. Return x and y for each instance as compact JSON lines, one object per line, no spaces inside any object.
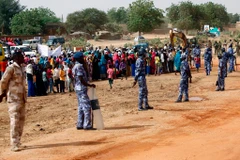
{"x":198,"y":130}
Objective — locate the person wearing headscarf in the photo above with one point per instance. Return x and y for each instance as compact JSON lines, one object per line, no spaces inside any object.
{"x":177,"y":60}
{"x":102,"y":67}
{"x":96,"y":71}
{"x":132,"y":61}
{"x":89,"y":66}
{"x":29,"y":71}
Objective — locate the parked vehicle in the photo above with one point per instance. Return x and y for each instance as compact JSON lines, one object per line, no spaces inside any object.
{"x":139,"y":39}
{"x":7,"y":51}
{"x":55,"y":41}
{"x":26,"y":50}
{"x":39,"y":39}
{"x":31,"y":43}
{"x":137,"y":47}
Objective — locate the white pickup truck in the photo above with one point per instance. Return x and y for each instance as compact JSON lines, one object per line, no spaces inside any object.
{"x":26,"y":50}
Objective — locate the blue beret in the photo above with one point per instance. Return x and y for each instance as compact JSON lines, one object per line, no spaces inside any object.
{"x":78,"y":55}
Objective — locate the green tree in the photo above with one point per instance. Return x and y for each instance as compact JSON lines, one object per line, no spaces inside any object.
{"x":233,"y":18}
{"x":143,"y":16}
{"x":118,"y":16}
{"x":87,"y":20}
{"x":8,"y":8}
{"x":215,"y":15}
{"x":185,"y":15}
{"x":113,"y":27}
{"x":32,"y":21}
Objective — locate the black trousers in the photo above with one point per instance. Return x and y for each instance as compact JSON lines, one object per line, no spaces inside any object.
{"x":62,"y":86}
{"x":56,"y":83}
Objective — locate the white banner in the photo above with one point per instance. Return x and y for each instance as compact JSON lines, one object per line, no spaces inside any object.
{"x":43,"y":50}
{"x":57,"y":51}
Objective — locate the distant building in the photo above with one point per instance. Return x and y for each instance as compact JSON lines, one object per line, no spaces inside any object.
{"x":55,"y":29}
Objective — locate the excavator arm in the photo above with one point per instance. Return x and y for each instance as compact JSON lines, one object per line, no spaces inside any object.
{"x":178,"y":34}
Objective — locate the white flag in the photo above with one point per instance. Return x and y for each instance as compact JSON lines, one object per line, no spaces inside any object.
{"x":43,"y":50}
{"x":57,"y":51}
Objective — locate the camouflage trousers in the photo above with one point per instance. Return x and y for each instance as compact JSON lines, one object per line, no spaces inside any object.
{"x":17,"y":118}
{"x":221,"y":81}
{"x":208,"y":67}
{"x":183,"y":89}
{"x":143,"y":92}
{"x":84,"y":110}
{"x":225,"y":70}
{"x":231,"y":64}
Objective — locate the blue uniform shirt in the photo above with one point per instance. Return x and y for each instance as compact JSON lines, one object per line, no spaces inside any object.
{"x":230,"y":51}
{"x":208,"y":55}
{"x":78,"y":70}
{"x":184,"y":70}
{"x":140,"y":68}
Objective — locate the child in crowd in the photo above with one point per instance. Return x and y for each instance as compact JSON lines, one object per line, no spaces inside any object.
{"x":62,"y":76}
{"x":110,"y":75}
{"x":157,"y":65}
{"x":50,"y":79}
{"x":197,"y":62}
{"x":123,"y":68}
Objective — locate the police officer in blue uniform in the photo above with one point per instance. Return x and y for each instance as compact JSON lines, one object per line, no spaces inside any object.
{"x":81,"y":85}
{"x":208,"y":60}
{"x":221,"y":75}
{"x":225,"y":57}
{"x":140,"y":78}
{"x":185,"y":74}
{"x":231,"y":59}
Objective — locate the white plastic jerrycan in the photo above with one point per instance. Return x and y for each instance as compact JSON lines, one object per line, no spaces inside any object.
{"x":97,"y":115}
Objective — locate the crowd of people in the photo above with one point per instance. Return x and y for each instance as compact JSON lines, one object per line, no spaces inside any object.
{"x":75,"y":71}
{"x":54,"y":74}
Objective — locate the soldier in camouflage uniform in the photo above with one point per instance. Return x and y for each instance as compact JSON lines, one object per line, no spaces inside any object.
{"x":81,"y":83}
{"x":185,"y":74}
{"x":13,"y":86}
{"x":221,"y":75}
{"x":141,"y":79}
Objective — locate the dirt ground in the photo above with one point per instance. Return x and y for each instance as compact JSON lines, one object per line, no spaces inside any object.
{"x":199,"y":130}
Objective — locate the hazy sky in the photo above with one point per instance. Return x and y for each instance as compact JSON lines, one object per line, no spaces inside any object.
{"x":64,"y":7}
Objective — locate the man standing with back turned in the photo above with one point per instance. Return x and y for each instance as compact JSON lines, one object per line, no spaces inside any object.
{"x":13,"y":87}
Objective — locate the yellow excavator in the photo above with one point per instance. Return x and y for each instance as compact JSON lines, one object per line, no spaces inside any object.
{"x":185,"y":42}
{"x":177,"y":33}
{"x":2,"y":55}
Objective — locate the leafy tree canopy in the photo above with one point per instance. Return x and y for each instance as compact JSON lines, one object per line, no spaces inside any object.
{"x":117,"y":15}
{"x":233,"y":18}
{"x":143,"y":16}
{"x":8,"y":8}
{"x":186,"y":15}
{"x":87,"y":20}
{"x":32,"y":21}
